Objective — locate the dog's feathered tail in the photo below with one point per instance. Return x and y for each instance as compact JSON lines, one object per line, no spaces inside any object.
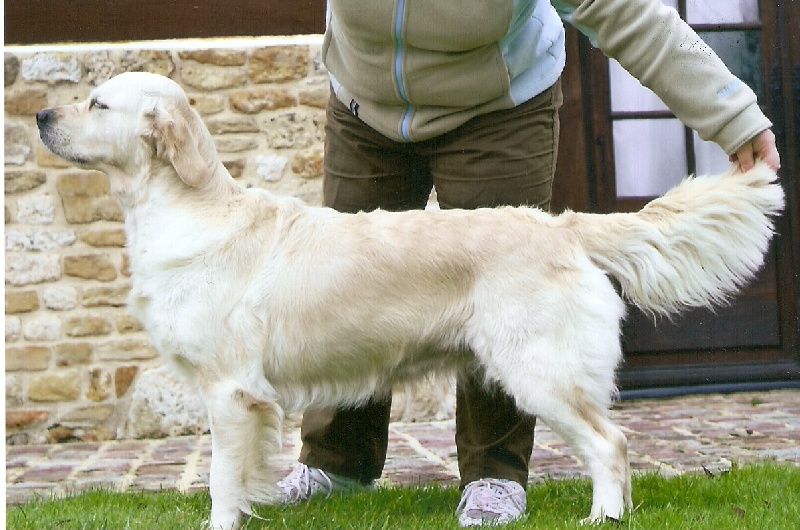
{"x":695,"y":246}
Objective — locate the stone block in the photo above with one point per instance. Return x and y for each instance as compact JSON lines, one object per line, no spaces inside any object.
{"x":255,"y":100}
{"x":16,"y":419}
{"x":104,"y":238}
{"x":61,"y":385}
{"x":23,"y":180}
{"x":42,"y":327}
{"x":99,"y":67}
{"x":106,"y":296}
{"x":87,"y":416}
{"x":87,"y":326}
{"x":162,"y":404}
{"x":27,"y":269}
{"x":11,"y":69}
{"x":81,"y":210}
{"x":90,"y":267}
{"x":218,"y":57}
{"x":126,"y":350}
{"x":278,"y":64}
{"x":28,"y":358}
{"x":14,"y":397}
{"x":313,"y":96}
{"x":232,"y":125}
{"x":123,"y":378}
{"x":307,"y":163}
{"x":13,"y":329}
{"x":128,"y":324}
{"x":235,"y":167}
{"x":25,"y":102}
{"x":36,"y":210}
{"x":210,"y":77}
{"x":83,"y":184}
{"x":41,"y":240}
{"x":236,"y":143}
{"x":153,"y":61}
{"x":99,"y":387}
{"x":289,"y":130}
{"x":270,"y":167}
{"x":21,"y":302}
{"x":44,"y":158}
{"x":73,"y":353}
{"x":86,"y":198}
{"x":18,"y":146}
{"x":52,"y":68}
{"x":60,"y":297}
{"x":207,"y":104}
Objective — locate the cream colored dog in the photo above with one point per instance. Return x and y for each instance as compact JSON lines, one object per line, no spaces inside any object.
{"x":268,"y":304}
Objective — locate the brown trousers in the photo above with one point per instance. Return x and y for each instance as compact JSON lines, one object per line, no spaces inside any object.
{"x":502,"y":158}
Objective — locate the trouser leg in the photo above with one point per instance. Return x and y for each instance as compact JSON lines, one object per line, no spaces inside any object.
{"x":503,"y":158}
{"x":363,"y":171}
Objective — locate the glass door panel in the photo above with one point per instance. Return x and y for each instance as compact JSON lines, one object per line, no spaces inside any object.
{"x":628,"y":94}
{"x":741,"y":53}
{"x":709,"y":157}
{"x":649,"y":156}
{"x":721,"y":11}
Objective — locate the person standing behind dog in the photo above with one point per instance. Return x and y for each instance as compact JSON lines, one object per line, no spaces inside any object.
{"x":464,"y":97}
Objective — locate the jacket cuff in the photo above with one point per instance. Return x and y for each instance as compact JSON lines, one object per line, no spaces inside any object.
{"x":741,"y":129}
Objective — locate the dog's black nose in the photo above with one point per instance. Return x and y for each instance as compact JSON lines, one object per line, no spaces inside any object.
{"x":44,"y":117}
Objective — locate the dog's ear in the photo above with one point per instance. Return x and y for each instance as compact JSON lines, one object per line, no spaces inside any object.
{"x":182,"y":140}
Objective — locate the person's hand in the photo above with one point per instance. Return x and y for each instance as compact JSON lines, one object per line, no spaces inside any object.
{"x":761,"y":146}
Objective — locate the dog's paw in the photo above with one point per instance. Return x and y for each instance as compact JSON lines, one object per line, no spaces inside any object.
{"x":229,"y":520}
{"x":598,"y":520}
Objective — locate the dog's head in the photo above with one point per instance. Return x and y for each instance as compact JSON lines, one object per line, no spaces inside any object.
{"x":129,"y":122}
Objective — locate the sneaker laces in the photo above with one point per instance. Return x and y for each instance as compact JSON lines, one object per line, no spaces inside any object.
{"x":303,"y":482}
{"x":492,"y":499}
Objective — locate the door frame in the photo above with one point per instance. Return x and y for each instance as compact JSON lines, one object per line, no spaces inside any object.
{"x":739,"y":367}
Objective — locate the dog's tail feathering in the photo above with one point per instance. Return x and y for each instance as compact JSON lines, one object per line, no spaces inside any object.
{"x":695,"y":246}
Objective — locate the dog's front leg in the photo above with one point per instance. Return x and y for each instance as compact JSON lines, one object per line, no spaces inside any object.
{"x":244,"y":432}
{"x":224,"y":486}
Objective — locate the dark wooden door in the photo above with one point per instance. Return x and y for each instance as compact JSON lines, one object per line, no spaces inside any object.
{"x":621,"y":146}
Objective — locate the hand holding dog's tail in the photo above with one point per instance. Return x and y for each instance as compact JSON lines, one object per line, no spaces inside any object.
{"x":695,"y":246}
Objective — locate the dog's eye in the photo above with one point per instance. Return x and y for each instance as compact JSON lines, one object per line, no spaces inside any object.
{"x":96,"y":104}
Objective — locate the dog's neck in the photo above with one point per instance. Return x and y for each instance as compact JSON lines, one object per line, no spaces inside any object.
{"x":133,"y":187}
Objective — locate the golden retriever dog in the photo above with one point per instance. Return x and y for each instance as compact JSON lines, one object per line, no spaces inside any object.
{"x":270,"y":305}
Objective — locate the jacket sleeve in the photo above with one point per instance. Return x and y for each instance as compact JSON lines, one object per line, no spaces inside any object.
{"x":659,"y":49}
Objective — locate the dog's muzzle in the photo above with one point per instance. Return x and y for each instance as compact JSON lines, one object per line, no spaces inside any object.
{"x":44,"y":118}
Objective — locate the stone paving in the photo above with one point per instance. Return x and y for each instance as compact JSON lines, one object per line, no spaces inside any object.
{"x":672,"y":436}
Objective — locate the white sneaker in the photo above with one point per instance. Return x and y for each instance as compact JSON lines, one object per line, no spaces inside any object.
{"x":491,"y":501}
{"x":304,"y":482}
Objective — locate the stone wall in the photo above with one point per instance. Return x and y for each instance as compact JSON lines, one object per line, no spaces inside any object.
{"x":78,"y":366}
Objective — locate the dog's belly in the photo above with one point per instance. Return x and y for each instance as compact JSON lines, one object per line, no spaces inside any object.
{"x":343,"y":379}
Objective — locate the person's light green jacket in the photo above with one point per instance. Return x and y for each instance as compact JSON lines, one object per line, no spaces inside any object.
{"x":416,"y":69}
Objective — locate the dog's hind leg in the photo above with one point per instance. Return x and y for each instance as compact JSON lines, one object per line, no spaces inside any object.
{"x":584,"y":426}
{"x":244,"y":432}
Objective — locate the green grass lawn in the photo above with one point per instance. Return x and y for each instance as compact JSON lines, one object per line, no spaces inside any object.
{"x":763,"y":496}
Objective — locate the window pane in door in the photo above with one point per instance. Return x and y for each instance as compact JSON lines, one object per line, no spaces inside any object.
{"x":741,"y":53}
{"x":721,"y":11}
{"x":628,"y":95}
{"x":709,"y":157}
{"x":649,"y":156}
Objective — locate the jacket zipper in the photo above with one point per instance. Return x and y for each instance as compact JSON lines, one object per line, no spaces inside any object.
{"x":399,"y":55}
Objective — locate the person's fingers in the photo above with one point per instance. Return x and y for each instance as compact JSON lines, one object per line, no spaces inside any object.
{"x":766,"y":150}
{"x":744,"y":155}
